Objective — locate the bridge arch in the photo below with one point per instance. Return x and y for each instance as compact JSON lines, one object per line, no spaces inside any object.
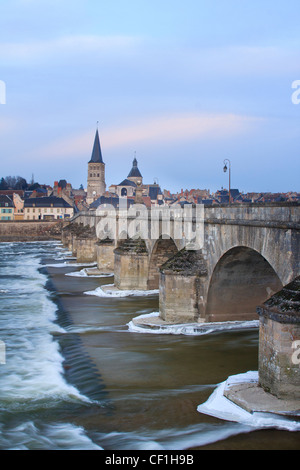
{"x":162,"y":251}
{"x":242,"y":279}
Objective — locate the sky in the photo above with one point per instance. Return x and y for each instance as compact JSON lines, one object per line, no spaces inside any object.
{"x":181,"y":85}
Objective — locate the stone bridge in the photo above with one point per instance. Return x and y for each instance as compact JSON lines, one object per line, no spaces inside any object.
{"x":244,"y":254}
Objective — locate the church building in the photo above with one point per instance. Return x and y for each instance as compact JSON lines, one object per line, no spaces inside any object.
{"x":96,"y":173}
{"x":129,"y":188}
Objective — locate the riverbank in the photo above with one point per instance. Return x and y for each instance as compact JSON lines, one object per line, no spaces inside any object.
{"x":30,"y":230}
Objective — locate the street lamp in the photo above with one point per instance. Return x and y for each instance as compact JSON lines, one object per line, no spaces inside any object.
{"x":225,"y":169}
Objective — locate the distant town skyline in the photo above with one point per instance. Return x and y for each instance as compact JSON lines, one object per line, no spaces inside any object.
{"x":181,"y":86}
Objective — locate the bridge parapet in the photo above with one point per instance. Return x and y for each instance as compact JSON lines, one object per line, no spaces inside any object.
{"x":280,"y":215}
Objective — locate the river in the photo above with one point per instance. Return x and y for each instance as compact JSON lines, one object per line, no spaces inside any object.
{"x":76,"y":377}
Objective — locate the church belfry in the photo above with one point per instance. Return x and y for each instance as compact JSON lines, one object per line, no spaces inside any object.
{"x":96,"y":173}
{"x":135,"y":174}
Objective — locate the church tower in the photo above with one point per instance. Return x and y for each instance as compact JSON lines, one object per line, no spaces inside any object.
{"x":96,"y":173}
{"x":135,"y":174}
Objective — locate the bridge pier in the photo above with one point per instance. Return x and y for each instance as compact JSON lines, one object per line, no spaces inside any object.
{"x":85,"y":249}
{"x":67,"y":235}
{"x":81,"y":240}
{"x":279,"y":342}
{"x":131,"y":265}
{"x":183,"y":283}
{"x":137,"y":266}
{"x":105,"y":255}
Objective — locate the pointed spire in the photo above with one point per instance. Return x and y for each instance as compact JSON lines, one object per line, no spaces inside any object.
{"x":96,"y":154}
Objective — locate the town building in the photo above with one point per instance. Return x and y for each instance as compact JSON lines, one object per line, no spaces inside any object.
{"x":47,"y":208}
{"x":6,"y":208}
{"x":18,"y":207}
{"x":151,"y":193}
{"x":128,"y":186}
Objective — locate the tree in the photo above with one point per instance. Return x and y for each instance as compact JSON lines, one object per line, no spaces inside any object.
{"x":21,"y":183}
{"x":11,"y":181}
{"x":3,"y":185}
{"x":16,"y":182}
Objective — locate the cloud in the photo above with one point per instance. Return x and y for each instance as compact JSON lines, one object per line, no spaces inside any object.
{"x":70,"y":46}
{"x":161,"y":129}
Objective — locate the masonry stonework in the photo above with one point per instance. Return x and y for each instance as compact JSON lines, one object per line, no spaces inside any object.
{"x":279,"y":369}
{"x":131,"y":266}
{"x":250,"y":251}
{"x":105,"y":255}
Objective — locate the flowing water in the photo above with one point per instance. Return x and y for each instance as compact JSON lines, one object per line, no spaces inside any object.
{"x":74,"y":376}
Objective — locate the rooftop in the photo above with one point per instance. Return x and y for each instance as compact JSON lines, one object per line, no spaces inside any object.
{"x":50,"y":201}
{"x":96,"y":153}
{"x":5,"y":201}
{"x":134,"y":172}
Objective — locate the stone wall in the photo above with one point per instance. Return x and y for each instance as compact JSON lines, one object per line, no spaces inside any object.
{"x":182,"y":287}
{"x":178,"y":298}
{"x":22,"y":231}
{"x":279,"y":337}
{"x":105,"y":256}
{"x":86,"y":250}
{"x":131,"y":266}
{"x":81,"y":240}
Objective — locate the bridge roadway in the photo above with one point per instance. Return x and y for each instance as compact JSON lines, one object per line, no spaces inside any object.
{"x":241,"y":254}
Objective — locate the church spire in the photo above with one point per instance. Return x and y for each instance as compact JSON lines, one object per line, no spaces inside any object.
{"x":96,"y":173}
{"x":96,"y":154}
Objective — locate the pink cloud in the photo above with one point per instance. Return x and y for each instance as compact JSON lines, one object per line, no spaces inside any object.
{"x":162,"y":129}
